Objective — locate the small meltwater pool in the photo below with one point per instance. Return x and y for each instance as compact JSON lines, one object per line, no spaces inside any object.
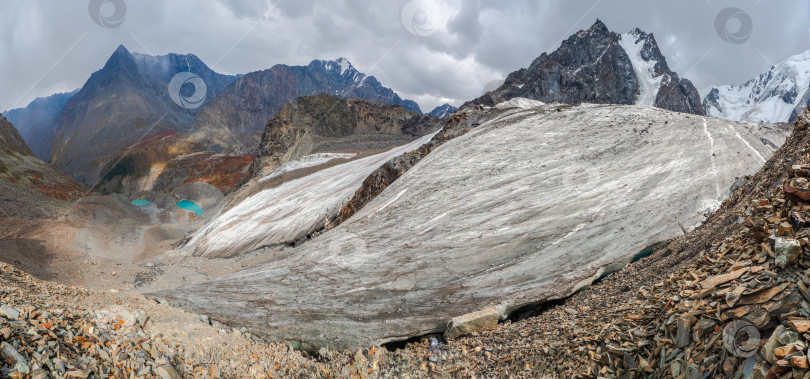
{"x":190,"y":206}
{"x":140,"y":202}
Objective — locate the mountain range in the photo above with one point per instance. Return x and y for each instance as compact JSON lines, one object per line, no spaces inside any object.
{"x":314,"y":207}
{"x":85,"y":133}
{"x":102,"y":134}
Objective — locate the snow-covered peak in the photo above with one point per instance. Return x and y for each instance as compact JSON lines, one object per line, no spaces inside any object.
{"x":344,"y":68}
{"x":345,"y":65}
{"x":341,"y":65}
{"x":773,"y":96}
{"x":443,"y":111}
{"x":649,"y":84}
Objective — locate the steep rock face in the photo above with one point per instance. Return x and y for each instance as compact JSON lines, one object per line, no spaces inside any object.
{"x":247,"y":104}
{"x":124,"y":101}
{"x":35,"y":121}
{"x":516,"y":211}
{"x":600,"y":66}
{"x":28,"y":186}
{"x":443,"y":111}
{"x":776,"y":95}
{"x":11,"y":142}
{"x":309,"y":124}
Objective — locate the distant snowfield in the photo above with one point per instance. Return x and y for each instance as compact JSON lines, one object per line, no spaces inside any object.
{"x":770,"y":98}
{"x":293,"y":210}
{"x":520,"y":102}
{"x":311,"y":160}
{"x":529,"y":207}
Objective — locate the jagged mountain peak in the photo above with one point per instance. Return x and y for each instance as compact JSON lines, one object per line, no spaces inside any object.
{"x":339,"y":65}
{"x":120,"y":58}
{"x":443,"y":111}
{"x":597,"y":65}
{"x":597,"y":27}
{"x":121,"y":50}
{"x":115,"y":105}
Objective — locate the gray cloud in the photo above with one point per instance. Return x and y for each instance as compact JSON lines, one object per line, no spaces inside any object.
{"x":54,"y":46}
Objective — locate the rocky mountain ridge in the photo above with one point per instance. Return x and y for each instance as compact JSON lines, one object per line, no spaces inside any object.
{"x":247,"y":104}
{"x":603,"y":67}
{"x":311,"y":124}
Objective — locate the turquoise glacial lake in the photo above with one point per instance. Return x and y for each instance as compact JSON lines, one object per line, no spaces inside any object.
{"x":190,"y":206}
{"x":140,"y":202}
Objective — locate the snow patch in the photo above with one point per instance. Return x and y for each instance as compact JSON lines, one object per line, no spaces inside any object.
{"x":311,"y":160}
{"x":520,"y":102}
{"x":739,"y":137}
{"x":344,"y":65}
{"x":649,"y":84}
{"x":711,"y":157}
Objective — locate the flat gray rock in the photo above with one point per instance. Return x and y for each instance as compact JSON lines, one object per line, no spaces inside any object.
{"x":526,"y":208}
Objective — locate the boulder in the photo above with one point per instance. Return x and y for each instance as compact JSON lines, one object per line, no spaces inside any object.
{"x":472,"y":322}
{"x":787,"y":251}
{"x":9,"y":311}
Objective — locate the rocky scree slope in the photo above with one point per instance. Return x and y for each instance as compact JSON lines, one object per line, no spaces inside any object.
{"x":600,"y":66}
{"x":165,"y":161}
{"x":395,"y":269}
{"x":51,"y":330}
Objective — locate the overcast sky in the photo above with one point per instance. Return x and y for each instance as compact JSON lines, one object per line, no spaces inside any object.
{"x":431,"y":51}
